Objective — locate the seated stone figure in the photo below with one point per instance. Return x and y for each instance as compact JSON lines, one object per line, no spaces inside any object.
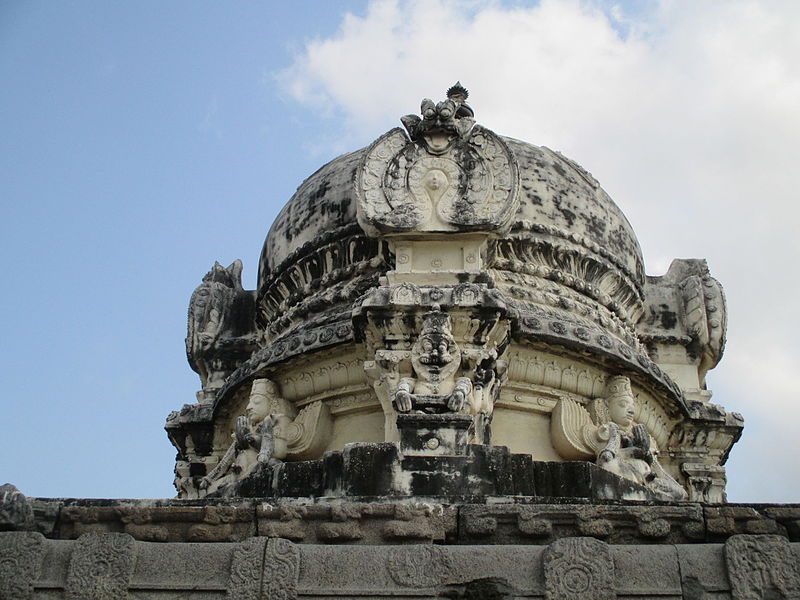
{"x":257,"y":437}
{"x":435,"y":359}
{"x":607,"y":434}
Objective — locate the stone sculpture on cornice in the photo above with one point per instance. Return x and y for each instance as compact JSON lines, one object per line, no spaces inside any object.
{"x":270,"y":431}
{"x":435,"y":359}
{"x":607,"y":434}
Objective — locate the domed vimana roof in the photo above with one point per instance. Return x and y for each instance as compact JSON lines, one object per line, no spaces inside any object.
{"x":448,"y":269}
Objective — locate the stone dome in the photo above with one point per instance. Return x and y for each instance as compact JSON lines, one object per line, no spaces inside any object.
{"x":566,"y":229}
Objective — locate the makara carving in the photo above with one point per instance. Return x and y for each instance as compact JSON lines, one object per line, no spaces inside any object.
{"x":607,"y":434}
{"x":447,"y":175}
{"x":270,"y":431}
{"x":216,"y":341}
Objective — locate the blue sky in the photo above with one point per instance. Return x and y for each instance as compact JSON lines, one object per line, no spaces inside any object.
{"x":143,"y":141}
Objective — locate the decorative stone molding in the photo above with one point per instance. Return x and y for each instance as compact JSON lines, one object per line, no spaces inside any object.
{"x":327,"y":278}
{"x":539,"y":324}
{"x":762,"y":566}
{"x":705,"y":483}
{"x":298,"y":342}
{"x":21,"y":556}
{"x":101,"y":567}
{"x":579,"y":569}
{"x":571,"y":266}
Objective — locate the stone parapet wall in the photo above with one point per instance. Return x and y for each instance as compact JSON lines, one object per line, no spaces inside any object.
{"x":106,"y":566}
{"x":371,"y":521}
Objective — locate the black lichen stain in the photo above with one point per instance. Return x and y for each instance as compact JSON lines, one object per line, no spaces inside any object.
{"x":595,"y":227}
{"x":668,"y":318}
{"x":486,"y":588}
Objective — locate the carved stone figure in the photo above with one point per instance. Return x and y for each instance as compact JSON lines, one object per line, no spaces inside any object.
{"x":606,"y":433}
{"x":269,"y":431}
{"x":435,"y":358}
{"x":254,"y":439}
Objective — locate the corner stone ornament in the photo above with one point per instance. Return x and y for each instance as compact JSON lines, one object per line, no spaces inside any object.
{"x":762,"y":567}
{"x":21,"y":556}
{"x":101,"y":567}
{"x":578,"y":569}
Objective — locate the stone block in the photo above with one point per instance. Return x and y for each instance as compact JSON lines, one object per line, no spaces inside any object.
{"x":21,"y":555}
{"x":646,"y":571}
{"x":702,"y":569}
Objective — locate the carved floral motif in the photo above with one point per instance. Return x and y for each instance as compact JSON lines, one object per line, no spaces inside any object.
{"x":281,"y":570}
{"x":578,"y":569}
{"x":244,"y":581}
{"x":101,"y":566}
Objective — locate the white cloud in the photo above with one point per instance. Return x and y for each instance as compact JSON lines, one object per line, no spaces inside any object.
{"x":687,"y":112}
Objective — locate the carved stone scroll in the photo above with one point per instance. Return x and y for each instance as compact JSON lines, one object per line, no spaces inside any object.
{"x":264,"y":568}
{"x":281,"y":570}
{"x":244,"y":582}
{"x":101,"y":567}
{"x":20,"y":562}
{"x":762,"y":566}
{"x":579,"y":569}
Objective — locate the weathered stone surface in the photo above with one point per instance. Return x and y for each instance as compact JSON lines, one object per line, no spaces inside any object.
{"x":21,"y":555}
{"x":702,"y":570}
{"x":646,"y":571}
{"x":15,"y":511}
{"x":762,"y":566}
{"x":163,"y":569}
{"x":579,"y":569}
{"x":158,"y":521}
{"x":101,"y":566}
